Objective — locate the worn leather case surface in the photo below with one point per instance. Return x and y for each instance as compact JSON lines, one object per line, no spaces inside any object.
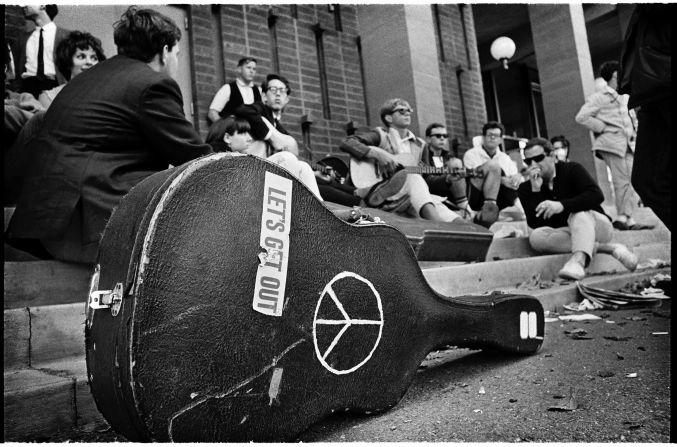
{"x":248,"y":311}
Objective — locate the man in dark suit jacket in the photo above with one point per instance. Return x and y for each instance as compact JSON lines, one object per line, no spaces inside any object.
{"x":28,"y":69}
{"x":108,"y":129}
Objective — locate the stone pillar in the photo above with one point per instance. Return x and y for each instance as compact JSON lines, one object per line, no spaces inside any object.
{"x":566,"y":76}
{"x":400,"y":60}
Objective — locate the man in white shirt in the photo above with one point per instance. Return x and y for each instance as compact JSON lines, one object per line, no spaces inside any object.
{"x":497,"y":187}
{"x":36,"y":69}
{"x":240,"y":91}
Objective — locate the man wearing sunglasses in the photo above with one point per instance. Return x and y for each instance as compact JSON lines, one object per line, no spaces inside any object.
{"x":562,"y":203}
{"x":391,"y":147}
{"x":497,"y":187}
{"x":436,"y":154}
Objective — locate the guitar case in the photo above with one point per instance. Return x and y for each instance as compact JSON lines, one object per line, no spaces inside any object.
{"x":229,"y":304}
{"x":457,"y":241}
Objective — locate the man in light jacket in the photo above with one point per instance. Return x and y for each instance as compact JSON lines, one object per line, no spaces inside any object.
{"x":605,"y":113}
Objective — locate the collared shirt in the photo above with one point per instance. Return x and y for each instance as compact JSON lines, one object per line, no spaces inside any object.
{"x":32,"y":44}
{"x":223,"y":95}
{"x":401,"y":145}
{"x":477,"y":156}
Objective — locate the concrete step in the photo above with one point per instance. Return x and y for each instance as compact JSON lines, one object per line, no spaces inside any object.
{"x":34,"y":335}
{"x":38,"y":283}
{"x":518,"y":247}
{"x":47,"y":399}
{"x":454,"y":280}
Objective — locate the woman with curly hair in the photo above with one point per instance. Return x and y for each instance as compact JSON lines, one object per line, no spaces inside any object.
{"x":78,"y":52}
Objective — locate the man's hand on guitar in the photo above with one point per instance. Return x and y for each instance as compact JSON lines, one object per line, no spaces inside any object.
{"x":385,"y":162}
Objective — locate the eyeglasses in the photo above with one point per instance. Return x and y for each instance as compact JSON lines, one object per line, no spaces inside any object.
{"x":537,"y":158}
{"x":493,"y":135}
{"x":403,"y":111}
{"x":276,"y":90}
{"x":440,"y":135}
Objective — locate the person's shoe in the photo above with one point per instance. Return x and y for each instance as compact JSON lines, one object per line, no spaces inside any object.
{"x":386,"y":188}
{"x":625,"y":257}
{"x":620,"y":225}
{"x":572,"y":270}
{"x":487,"y":215}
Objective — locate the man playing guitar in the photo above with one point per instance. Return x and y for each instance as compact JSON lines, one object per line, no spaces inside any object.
{"x":385,"y":149}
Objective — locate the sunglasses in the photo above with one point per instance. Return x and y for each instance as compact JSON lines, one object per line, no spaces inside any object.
{"x":440,"y":135}
{"x":403,"y":111}
{"x":537,"y":158}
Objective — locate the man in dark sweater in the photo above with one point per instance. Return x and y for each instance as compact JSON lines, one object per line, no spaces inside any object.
{"x":562,"y":203}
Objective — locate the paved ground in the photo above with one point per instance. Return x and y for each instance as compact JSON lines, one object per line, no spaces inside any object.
{"x":462,"y":396}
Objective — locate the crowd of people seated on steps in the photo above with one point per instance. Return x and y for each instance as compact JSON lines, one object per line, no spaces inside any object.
{"x":91,"y":140}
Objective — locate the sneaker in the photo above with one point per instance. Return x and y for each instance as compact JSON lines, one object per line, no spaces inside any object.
{"x":620,"y":225}
{"x":487,"y":215}
{"x":388,"y":187}
{"x":572,"y":270}
{"x":625,"y":257}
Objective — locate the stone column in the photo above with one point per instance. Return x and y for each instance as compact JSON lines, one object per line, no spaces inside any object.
{"x":400,"y":60}
{"x":566,"y":76}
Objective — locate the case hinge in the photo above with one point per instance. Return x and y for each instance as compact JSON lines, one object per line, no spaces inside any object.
{"x":104,"y":299}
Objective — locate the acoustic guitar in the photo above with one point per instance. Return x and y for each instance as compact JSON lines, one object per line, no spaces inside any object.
{"x":365,"y":173}
{"x":229,"y":304}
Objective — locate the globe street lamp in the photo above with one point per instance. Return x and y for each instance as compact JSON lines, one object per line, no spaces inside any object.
{"x":502,"y":49}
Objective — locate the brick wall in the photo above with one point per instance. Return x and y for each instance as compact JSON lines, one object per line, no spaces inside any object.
{"x":244,"y":31}
{"x":451,"y":30}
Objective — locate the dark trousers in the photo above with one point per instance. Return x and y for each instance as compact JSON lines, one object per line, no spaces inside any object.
{"x":336,"y":192}
{"x":35,"y":85}
{"x":651,"y":172}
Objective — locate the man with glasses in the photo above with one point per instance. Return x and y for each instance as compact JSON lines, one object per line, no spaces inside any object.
{"x":273,"y":142}
{"x":436,"y":154}
{"x":562,"y":203}
{"x":390,"y":147}
{"x":496,"y":187}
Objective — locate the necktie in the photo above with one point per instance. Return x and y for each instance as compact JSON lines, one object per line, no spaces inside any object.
{"x":41,"y":62}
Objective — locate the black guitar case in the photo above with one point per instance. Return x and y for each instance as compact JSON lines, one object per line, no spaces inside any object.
{"x":229,"y":304}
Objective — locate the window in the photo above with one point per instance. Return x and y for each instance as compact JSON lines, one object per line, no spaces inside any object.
{"x":319,"y":44}
{"x":272,"y":20}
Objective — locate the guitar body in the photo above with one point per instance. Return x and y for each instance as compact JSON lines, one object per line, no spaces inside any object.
{"x":364,"y":173}
{"x":249,"y":311}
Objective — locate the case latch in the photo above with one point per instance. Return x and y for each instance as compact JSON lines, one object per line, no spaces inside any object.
{"x":104,"y":299}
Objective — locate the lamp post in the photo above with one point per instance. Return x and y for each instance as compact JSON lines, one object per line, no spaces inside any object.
{"x":502,"y":49}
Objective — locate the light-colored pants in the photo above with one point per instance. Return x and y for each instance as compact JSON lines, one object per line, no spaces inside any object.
{"x":621,"y":171}
{"x":300,"y":169}
{"x":585,"y":228}
{"x":419,"y":194}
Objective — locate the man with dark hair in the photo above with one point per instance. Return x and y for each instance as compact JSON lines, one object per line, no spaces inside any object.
{"x":496,"y":187}
{"x":36,"y":70}
{"x":240,"y":91}
{"x":606,"y":114}
{"x":109,"y":128}
{"x":436,"y":154}
{"x":264,"y":118}
{"x":560,"y":146}
{"x":645,"y":74}
{"x":385,"y":150}
{"x":562,"y":203}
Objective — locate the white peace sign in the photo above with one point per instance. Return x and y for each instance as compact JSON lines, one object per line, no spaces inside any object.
{"x":346,"y":321}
